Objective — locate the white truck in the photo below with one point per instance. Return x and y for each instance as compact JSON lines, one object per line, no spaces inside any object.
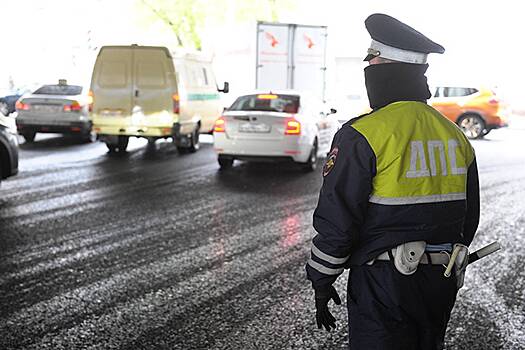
{"x":291,"y":56}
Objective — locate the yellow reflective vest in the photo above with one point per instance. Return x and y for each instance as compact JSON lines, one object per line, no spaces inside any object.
{"x":399,"y":174}
{"x":428,"y":164}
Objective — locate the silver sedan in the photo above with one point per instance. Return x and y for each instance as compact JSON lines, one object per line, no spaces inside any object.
{"x":59,"y":108}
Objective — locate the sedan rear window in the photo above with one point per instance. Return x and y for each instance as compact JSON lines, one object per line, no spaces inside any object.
{"x":68,"y":90}
{"x":267,"y":103}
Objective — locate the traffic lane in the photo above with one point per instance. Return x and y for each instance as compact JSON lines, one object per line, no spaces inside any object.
{"x":489,"y":313}
{"x":59,"y":256}
{"x":239,"y":301}
{"x":276,"y":311}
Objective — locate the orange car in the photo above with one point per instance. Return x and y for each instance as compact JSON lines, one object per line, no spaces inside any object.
{"x":477,"y":111}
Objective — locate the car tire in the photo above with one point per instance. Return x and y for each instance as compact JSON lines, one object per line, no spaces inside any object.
{"x":311,"y":164}
{"x":90,"y":137}
{"x":4,"y":108}
{"x":472,"y":125}
{"x":29,"y":136}
{"x":225,"y":162}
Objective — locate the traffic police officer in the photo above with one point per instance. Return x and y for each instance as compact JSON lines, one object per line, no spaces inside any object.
{"x":400,"y":190}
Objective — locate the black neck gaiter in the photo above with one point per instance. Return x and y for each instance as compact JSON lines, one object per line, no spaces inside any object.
{"x":391,"y":82}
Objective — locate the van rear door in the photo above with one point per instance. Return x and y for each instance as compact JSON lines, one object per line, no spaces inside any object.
{"x":154,"y":83}
{"x":112,"y":84}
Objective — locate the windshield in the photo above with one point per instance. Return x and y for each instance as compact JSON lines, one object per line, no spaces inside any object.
{"x":267,"y":103}
{"x":59,"y":90}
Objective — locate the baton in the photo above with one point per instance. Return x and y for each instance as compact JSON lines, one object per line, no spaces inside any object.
{"x":478,"y":254}
{"x":483,"y":252}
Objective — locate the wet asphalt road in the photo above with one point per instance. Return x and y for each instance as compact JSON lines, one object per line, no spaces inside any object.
{"x":154,"y":249}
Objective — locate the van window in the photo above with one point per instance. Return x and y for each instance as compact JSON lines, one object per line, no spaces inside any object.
{"x":267,"y":103}
{"x":150,"y":74}
{"x":113,"y":74}
{"x":196,"y":76}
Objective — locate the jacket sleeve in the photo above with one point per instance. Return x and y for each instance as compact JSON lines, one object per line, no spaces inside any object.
{"x":343,"y":202}
{"x":472,"y":216}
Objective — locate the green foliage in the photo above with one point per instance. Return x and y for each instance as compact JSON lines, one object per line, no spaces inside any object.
{"x":187,"y":18}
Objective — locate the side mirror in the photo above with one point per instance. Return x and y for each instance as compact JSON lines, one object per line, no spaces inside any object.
{"x":226,"y":88}
{"x":333,"y":111}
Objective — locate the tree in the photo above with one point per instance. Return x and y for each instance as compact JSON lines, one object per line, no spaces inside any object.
{"x":187,"y":18}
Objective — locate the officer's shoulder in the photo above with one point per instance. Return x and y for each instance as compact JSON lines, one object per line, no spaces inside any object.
{"x":356,"y":124}
{"x":348,"y":131}
{"x":354,"y":120}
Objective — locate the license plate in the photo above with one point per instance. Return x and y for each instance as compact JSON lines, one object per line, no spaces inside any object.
{"x":47,"y":108}
{"x":254,"y":127}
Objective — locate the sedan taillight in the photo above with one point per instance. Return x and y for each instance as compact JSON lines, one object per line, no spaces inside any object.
{"x":21,"y":106}
{"x":293,"y":127}
{"x":73,"y":107}
{"x":220,"y":125}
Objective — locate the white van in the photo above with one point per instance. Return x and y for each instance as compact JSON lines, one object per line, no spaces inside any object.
{"x":144,"y":91}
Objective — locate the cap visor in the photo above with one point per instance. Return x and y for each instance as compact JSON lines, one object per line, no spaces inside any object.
{"x":369,"y":57}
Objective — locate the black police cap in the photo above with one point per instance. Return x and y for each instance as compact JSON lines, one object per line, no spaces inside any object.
{"x":390,"y":34}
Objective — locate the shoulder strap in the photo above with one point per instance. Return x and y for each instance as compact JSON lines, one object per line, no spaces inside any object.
{"x":353,"y":120}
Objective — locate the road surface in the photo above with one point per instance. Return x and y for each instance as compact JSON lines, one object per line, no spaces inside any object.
{"x":153,"y":249}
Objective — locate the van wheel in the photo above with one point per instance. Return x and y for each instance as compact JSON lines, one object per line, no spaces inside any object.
{"x":311,"y":164}
{"x":112,"y":148}
{"x":225,"y":162}
{"x":194,"y":141}
{"x":122,"y":143}
{"x":472,"y":125}
{"x":29,"y":136}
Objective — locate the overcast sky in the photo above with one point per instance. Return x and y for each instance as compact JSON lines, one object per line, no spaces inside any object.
{"x":483,"y":39}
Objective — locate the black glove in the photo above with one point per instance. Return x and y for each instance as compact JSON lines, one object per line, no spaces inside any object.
{"x":322,"y":314}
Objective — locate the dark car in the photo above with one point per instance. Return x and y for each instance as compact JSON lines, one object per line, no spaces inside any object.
{"x":8,"y":102}
{"x":8,"y":149}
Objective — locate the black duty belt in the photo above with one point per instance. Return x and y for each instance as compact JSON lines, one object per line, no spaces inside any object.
{"x":434,"y":258}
